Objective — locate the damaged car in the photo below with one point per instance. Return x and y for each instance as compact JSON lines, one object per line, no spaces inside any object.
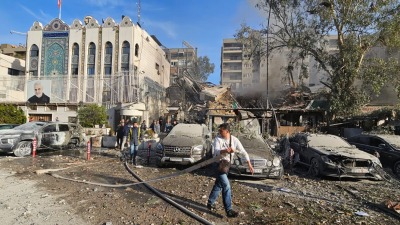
{"x":330,"y":155}
{"x":384,"y":146}
{"x":19,"y":140}
{"x":185,"y":144}
{"x":266,"y":163}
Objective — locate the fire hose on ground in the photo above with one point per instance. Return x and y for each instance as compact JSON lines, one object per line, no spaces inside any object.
{"x":145,"y":183}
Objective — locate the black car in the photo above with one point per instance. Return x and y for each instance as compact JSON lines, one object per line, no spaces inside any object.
{"x":266,"y":163}
{"x":330,"y":155}
{"x":386,"y":147}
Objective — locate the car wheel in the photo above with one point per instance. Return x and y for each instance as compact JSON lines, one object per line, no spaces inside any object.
{"x":74,"y":143}
{"x":396,"y":168}
{"x":24,"y":148}
{"x":315,"y":167}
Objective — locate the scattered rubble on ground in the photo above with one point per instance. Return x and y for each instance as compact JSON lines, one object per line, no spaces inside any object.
{"x":295,"y":199}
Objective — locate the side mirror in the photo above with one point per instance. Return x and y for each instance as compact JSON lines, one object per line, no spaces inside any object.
{"x":382,"y":146}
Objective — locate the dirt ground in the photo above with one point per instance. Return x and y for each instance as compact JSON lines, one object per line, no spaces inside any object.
{"x":85,"y":198}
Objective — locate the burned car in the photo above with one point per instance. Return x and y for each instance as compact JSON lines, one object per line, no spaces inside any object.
{"x":185,"y":144}
{"x":7,"y":126}
{"x":48,"y":135}
{"x":385,"y":146}
{"x":330,"y":155}
{"x":266,"y":163}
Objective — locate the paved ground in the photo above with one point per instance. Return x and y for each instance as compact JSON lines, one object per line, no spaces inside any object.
{"x":22,"y":203}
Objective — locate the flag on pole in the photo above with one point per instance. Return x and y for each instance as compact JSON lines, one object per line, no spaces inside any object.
{"x":59,"y":3}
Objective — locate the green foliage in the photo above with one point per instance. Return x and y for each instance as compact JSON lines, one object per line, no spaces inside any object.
{"x":202,"y":69}
{"x":90,"y":115}
{"x":11,"y":114}
{"x":356,"y":27}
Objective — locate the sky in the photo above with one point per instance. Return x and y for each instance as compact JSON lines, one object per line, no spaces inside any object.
{"x":201,"y":23}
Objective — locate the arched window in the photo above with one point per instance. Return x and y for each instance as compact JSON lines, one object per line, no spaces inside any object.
{"x":75,"y":59}
{"x":136,"y":50}
{"x":34,"y":61}
{"x":34,"y":51}
{"x":91,"y":59}
{"x":126,"y":49}
{"x":108,"y":59}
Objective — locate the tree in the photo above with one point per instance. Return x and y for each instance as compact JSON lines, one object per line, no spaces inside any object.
{"x":11,"y":114}
{"x":302,"y":27}
{"x":202,"y":69}
{"x":90,"y":115}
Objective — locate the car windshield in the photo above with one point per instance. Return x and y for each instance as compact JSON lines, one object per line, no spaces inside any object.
{"x":188,"y":130}
{"x":327,"y":141}
{"x":29,"y":126}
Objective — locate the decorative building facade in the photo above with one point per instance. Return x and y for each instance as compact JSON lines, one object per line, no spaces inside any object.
{"x":109,"y":63}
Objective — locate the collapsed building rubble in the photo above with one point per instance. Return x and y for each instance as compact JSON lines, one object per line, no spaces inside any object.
{"x":193,"y":100}
{"x":299,"y":109}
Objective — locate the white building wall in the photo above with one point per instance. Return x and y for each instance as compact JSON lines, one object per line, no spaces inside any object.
{"x":11,"y":87}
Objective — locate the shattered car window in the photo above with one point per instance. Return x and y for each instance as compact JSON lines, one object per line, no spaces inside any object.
{"x":29,"y":126}
{"x":327,"y":141}
{"x":392,"y":139}
{"x":246,"y":128}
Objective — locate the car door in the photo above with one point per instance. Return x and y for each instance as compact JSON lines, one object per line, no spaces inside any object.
{"x":48,"y":137}
{"x":64,"y":134}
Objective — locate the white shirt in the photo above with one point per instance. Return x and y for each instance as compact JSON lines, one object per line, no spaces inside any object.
{"x":222,"y":144}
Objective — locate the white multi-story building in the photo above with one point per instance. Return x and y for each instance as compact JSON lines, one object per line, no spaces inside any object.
{"x":246,"y":74}
{"x":118,"y":65}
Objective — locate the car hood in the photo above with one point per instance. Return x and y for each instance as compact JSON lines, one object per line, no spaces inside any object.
{"x":14,"y":132}
{"x":347,"y":152}
{"x":173,"y":140}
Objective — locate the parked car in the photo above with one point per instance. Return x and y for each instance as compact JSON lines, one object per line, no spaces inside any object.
{"x":185,"y":144}
{"x":266,"y":163}
{"x":386,"y":146}
{"x":330,"y":155}
{"x":48,"y":134}
{"x":7,"y":126}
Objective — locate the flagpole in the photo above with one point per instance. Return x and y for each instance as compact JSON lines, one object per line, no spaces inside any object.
{"x":59,"y":7}
{"x":59,"y":13}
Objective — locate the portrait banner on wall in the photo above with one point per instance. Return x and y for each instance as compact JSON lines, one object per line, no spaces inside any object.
{"x":39,"y":91}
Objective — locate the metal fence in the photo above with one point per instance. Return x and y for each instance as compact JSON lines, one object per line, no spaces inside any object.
{"x":123,"y":87}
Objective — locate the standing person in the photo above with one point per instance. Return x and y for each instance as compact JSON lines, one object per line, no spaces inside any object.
{"x":157,"y":127}
{"x":226,"y":145}
{"x":152,"y":125}
{"x":168,"y":126}
{"x":120,"y":133}
{"x":161,"y":121}
{"x":134,"y":137}
{"x":143,"y":128}
{"x":125,"y":137}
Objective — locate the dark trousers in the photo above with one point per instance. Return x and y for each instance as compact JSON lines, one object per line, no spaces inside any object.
{"x":119,"y":141}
